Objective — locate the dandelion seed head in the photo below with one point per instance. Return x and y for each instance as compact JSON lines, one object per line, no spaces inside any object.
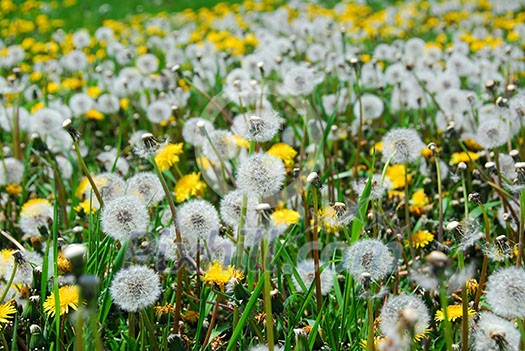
{"x":376,"y":190}
{"x":221,"y":145}
{"x":34,"y":214}
{"x":135,"y":288}
{"x":393,"y":310}
{"x":192,"y":130}
{"x":493,"y":333}
{"x":11,"y":171}
{"x":231,"y":207}
{"x":492,"y":133}
{"x":261,"y":174}
{"x":506,"y":292}
{"x":146,"y":186}
{"x":306,"y":271}
{"x":403,"y":145}
{"x":198,"y":220}
{"x":369,"y":256}
{"x":258,"y":126}
{"x":124,"y":218}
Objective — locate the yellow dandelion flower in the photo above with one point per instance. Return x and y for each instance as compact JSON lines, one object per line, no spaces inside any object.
{"x":240,"y":141}
{"x":216,"y":274}
{"x":285,"y":216}
{"x":188,"y":186}
{"x":94,"y":92}
{"x":124,"y":103}
{"x":453,"y":312}
{"x":95,"y":115}
{"x":422,"y":238}
{"x":396,"y":174}
{"x":63,"y":263}
{"x":7,"y":311}
{"x":168,"y":156}
{"x":68,"y":297}
{"x":418,"y":202}
{"x":472,"y":286}
{"x":285,"y":152}
{"x":190,"y":317}
{"x":377,"y":342}
{"x":164,"y":309}
{"x":13,"y":189}
{"x":458,"y":157}
{"x":85,"y":207}
{"x":377,"y":146}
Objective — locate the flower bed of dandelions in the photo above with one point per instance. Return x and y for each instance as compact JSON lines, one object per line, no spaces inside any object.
{"x":264,"y":176}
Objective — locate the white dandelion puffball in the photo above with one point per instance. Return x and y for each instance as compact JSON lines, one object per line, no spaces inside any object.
{"x":403,"y":145}
{"x":146,"y":186}
{"x":396,"y":306}
{"x":220,"y":145}
{"x":198,"y":219}
{"x":265,"y":348}
{"x":299,"y":81}
{"x":158,"y":111}
{"x":135,"y":288}
{"x":372,"y":107}
{"x":258,"y":126}
{"x":11,"y":171}
{"x":306,"y":271}
{"x":492,"y":133}
{"x":125,"y":218}
{"x":192,"y":133}
{"x":34,"y":214}
{"x":261,"y":174}
{"x":491,"y":331}
{"x":506,"y":292}
{"x":231,"y":207}
{"x":369,"y":256}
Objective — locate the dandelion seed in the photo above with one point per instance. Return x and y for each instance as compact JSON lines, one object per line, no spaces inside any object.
{"x":493,"y":333}
{"x":369,"y":256}
{"x":258,"y":126}
{"x":231,"y":207}
{"x":135,"y":288}
{"x":402,"y":145}
{"x":125,"y":218}
{"x":395,"y":311}
{"x":492,"y":133}
{"x":146,"y":186}
{"x":198,"y":220}
{"x":261,"y":174}
{"x":11,"y":171}
{"x":34,"y":214}
{"x":306,"y":271}
{"x":506,"y":292}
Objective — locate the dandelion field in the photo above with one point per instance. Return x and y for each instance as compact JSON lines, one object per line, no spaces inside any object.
{"x":262,"y":175}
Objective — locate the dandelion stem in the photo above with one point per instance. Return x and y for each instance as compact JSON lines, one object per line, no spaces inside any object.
{"x":370,"y":346}
{"x":440,"y":200}
{"x":267,"y":296}
{"x":178,"y":240}
{"x":315,"y":248}
{"x":151,"y":331}
{"x":407,"y":216}
{"x":4,"y":341}
{"x":521,"y":229}
{"x":8,"y":285}
{"x":131,"y":330}
{"x":86,"y":172}
{"x":446,"y":321}
{"x":485,"y":264}
{"x":212,"y":322}
{"x":464,"y":320}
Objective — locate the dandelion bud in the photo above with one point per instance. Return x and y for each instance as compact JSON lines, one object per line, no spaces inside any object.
{"x":462,"y":166}
{"x":432,"y":147}
{"x":490,"y":84}
{"x":439,"y":262}
{"x":175,"y":68}
{"x":296,"y":172}
{"x":75,"y":254}
{"x":278,"y":59}
{"x":514,"y":153}
{"x":502,"y":102}
{"x":68,"y":126}
{"x":471,"y":98}
{"x":473,"y":197}
{"x":89,"y":289}
{"x":314,"y":179}
{"x":520,"y":165}
{"x":511,"y":88}
{"x":260,"y":66}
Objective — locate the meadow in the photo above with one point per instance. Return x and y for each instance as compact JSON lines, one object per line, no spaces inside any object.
{"x":262,"y":175}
